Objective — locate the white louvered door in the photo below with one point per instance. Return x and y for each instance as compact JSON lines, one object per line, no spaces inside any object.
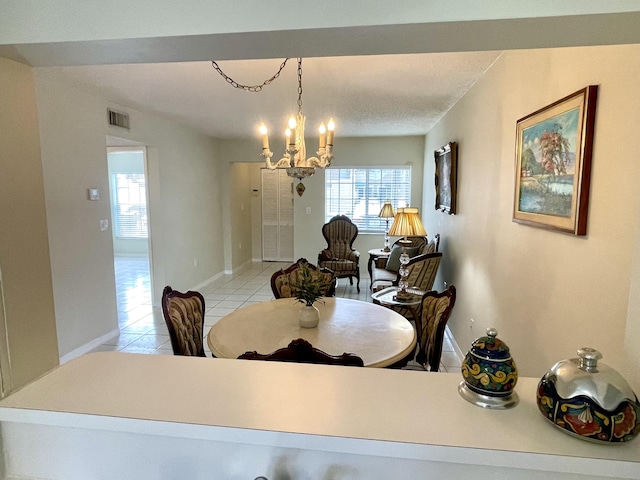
{"x":277,"y":215}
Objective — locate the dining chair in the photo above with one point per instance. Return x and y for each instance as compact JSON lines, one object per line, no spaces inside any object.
{"x":340,"y":257}
{"x":284,"y":281}
{"x":301,"y":351}
{"x":435,"y":311}
{"x":184,"y":316}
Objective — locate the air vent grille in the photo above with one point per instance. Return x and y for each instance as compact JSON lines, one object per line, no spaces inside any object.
{"x":118,"y":119}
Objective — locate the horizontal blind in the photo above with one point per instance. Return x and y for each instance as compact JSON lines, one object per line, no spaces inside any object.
{"x":359,"y":193}
{"x":130,"y":205}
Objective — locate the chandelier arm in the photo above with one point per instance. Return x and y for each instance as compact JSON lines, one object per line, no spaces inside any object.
{"x":251,"y":88}
{"x":284,"y":162}
{"x":322,"y":162}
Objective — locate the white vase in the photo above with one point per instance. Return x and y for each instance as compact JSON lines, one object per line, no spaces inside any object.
{"x":309,"y":316}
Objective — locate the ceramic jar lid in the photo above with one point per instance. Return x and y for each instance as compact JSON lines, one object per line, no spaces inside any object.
{"x":585,"y":376}
{"x":490,"y":347}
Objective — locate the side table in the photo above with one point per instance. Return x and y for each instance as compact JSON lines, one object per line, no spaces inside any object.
{"x":374,"y":254}
{"x":386,"y":298}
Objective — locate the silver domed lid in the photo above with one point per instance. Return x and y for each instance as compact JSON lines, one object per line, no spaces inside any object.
{"x":585,"y":376}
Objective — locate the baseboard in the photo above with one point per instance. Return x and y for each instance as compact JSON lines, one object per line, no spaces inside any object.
{"x":238,"y":269}
{"x":87,"y":347}
{"x":207,"y":282}
{"x":456,"y":348}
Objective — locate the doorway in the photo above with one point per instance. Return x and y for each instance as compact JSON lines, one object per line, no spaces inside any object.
{"x":130,"y":229}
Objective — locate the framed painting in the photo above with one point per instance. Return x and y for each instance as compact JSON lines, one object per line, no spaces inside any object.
{"x":553,"y":164}
{"x":445,"y":177}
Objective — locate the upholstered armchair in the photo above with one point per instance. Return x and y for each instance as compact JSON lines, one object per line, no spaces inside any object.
{"x":339,"y":256}
{"x":385,"y":271}
{"x":422,"y":274}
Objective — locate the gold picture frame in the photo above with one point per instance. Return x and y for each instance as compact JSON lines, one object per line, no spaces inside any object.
{"x":553,"y":164}
{"x":446,"y":178}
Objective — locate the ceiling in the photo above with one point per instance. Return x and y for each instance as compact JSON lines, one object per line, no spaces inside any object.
{"x":372,"y":95}
{"x":380,"y":70}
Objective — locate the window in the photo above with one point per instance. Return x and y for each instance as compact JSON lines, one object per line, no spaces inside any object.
{"x":130,"y":205}
{"x":359,"y":193}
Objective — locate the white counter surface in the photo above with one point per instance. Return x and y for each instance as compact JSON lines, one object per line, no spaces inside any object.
{"x":392,"y":413}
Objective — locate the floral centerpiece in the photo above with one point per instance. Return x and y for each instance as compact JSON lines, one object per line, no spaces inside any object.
{"x":308,"y":288}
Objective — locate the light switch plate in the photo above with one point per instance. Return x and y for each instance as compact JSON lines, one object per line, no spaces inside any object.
{"x":104,"y":225}
{"x":93,"y":193}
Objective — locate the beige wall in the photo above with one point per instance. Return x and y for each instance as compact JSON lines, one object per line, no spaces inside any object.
{"x":184,"y":205}
{"x":24,"y":252}
{"x":547,"y":293}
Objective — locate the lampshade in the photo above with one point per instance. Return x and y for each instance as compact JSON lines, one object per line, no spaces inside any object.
{"x":387,"y":210}
{"x":407,"y":223}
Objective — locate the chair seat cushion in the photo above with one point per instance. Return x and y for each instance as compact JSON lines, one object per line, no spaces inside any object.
{"x":340,"y":266}
{"x":393,"y":262}
{"x":382,"y":275}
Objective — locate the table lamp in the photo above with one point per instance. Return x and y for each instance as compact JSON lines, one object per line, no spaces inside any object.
{"x":386,"y":213}
{"x":406,"y":223}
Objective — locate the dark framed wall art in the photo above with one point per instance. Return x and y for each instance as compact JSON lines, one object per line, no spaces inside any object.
{"x":553,"y":164}
{"x":446,"y":178}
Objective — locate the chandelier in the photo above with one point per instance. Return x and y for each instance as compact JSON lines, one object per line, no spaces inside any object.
{"x":295,"y":157}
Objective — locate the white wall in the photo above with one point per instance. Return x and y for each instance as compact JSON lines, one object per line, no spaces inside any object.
{"x":24,"y":251}
{"x":185,"y":210}
{"x":547,"y":293}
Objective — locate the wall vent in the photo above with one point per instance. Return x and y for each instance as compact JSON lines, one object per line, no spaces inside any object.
{"x":118,"y":119}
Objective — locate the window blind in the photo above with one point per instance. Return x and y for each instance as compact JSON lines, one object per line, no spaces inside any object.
{"x":130,"y":205}
{"x":359,"y":193}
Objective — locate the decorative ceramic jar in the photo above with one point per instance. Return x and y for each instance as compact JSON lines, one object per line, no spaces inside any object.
{"x":309,"y":316}
{"x":589,"y":400}
{"x":490,"y":374}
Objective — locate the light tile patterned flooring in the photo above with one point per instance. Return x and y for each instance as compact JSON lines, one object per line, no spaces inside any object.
{"x":143,"y":330}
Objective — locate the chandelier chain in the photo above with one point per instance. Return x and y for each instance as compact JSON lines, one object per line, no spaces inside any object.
{"x":257,"y":88}
{"x":299,"y":85}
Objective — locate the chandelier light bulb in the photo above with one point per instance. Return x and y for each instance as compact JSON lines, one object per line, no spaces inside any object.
{"x":265,"y":138}
{"x":331,"y":126}
{"x":323,"y":136}
{"x":292,"y":123}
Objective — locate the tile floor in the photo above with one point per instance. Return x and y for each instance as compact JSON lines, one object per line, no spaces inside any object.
{"x":142,"y":328}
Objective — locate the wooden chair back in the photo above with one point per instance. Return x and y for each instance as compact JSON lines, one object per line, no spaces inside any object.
{"x":283,"y":281}
{"x":436,"y":309}
{"x":301,"y":351}
{"x":184,"y":316}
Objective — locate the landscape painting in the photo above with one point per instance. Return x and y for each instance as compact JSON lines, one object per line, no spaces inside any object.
{"x":553,"y":164}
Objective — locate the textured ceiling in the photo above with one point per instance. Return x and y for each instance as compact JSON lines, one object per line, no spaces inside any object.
{"x":367,"y":95}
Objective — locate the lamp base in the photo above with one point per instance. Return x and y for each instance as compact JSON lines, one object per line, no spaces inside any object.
{"x":402,"y":296}
{"x":386,"y":249}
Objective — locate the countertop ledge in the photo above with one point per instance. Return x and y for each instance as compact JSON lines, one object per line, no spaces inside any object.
{"x":384,"y":412}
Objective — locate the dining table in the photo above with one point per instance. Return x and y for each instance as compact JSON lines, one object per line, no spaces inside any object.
{"x":378,"y":335}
